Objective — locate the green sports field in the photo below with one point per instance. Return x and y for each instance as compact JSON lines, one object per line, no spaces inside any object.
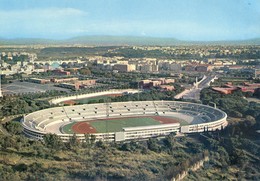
{"x":87,"y":100}
{"x":115,"y":125}
{"x":68,"y":128}
{"x":96,"y":98}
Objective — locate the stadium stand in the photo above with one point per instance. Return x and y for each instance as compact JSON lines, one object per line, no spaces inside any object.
{"x":200,"y":118}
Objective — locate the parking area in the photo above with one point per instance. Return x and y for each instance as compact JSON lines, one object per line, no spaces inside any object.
{"x":18,"y":87}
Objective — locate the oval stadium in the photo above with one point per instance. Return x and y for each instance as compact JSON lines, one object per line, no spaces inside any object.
{"x":124,"y":121}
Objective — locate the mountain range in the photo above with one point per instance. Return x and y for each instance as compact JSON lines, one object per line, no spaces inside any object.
{"x":122,"y":40}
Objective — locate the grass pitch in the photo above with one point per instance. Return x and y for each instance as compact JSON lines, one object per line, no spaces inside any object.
{"x":115,"y":125}
{"x":87,"y":100}
{"x":68,"y":128}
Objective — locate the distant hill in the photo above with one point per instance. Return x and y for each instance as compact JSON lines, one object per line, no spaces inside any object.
{"x":95,"y":40}
{"x":27,"y":41}
{"x":255,"y":41}
{"x":122,"y":40}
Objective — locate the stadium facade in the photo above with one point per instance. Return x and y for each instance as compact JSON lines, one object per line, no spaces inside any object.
{"x":199,"y":117}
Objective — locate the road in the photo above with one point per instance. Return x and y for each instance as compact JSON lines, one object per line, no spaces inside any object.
{"x":194,"y":93}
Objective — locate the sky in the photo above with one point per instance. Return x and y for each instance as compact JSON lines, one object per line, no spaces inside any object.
{"x":191,"y":20}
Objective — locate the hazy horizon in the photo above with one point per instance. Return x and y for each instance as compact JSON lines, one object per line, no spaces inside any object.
{"x":126,"y":36}
{"x":186,"y":20}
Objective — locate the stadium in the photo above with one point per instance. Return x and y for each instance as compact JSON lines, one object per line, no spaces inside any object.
{"x":124,"y":121}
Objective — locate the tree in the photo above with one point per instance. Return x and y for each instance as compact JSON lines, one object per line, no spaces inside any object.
{"x":84,"y":71}
{"x":257,"y":93}
{"x":223,"y":156}
{"x":73,"y":141}
{"x":100,"y":144}
{"x":92,"y":139}
{"x":152,"y":145}
{"x":250,"y":120}
{"x":169,"y":141}
{"x":235,"y":114}
{"x":87,"y":140}
{"x":14,"y":127}
{"x":7,"y":141}
{"x":53,"y":141}
{"x":125,"y":147}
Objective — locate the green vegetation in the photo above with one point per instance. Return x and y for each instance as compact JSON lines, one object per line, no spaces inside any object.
{"x":149,"y":95}
{"x":68,"y":128}
{"x":115,"y":125}
{"x":234,"y":153}
{"x":98,"y":99}
{"x":25,"y":103}
{"x":234,"y":105}
{"x":13,"y":127}
{"x":155,"y":94}
{"x":257,"y":93}
{"x":84,"y":71}
{"x":23,"y":159}
{"x":131,"y":52}
{"x":70,"y":52}
{"x":15,"y":59}
{"x":15,"y":105}
{"x":232,"y":156}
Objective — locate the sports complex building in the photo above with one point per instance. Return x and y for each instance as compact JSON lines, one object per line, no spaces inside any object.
{"x":124,"y":121}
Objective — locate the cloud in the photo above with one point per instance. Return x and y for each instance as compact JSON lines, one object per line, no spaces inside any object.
{"x":39,"y":14}
{"x":180,"y":29}
{"x":43,"y":22}
{"x":59,"y":23}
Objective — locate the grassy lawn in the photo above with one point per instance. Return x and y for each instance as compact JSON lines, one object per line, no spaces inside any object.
{"x":68,"y":128}
{"x":85,"y":101}
{"x":117,"y":124}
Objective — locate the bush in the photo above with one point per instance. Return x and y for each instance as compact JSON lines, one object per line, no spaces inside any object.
{"x":14,"y":127}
